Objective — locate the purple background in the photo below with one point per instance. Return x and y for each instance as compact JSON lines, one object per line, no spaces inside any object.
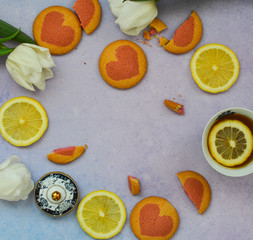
{"x":131,"y":131}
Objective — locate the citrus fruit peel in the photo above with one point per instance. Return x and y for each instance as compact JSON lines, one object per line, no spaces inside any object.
{"x":215,"y":68}
{"x":89,"y":13}
{"x":176,"y":107}
{"x":101,"y":214}
{"x":134,"y":185}
{"x":230,"y":142}
{"x":23,"y":121}
{"x":66,"y":155}
{"x":187,"y":36}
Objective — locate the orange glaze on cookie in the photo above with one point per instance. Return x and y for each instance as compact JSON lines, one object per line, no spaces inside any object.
{"x":86,"y":13}
{"x":68,"y":151}
{"x":53,"y":31}
{"x":184,"y":34}
{"x":153,"y":225}
{"x":194,"y":189}
{"x":127,"y":65}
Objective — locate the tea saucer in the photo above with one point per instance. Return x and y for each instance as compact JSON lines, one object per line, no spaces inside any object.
{"x":56,"y":194}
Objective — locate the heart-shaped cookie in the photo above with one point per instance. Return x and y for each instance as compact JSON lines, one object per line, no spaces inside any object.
{"x":58,"y":29}
{"x":152,"y":224}
{"x":126,"y":66}
{"x":122,"y":64}
{"x":154,"y":218}
{"x":54,"y":32}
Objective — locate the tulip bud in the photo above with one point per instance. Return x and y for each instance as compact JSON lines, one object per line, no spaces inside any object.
{"x":15,"y":180}
{"x":132,"y":16}
{"x":30,"y":65}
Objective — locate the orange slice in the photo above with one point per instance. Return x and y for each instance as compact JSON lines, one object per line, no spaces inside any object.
{"x":66,"y":155}
{"x":187,"y":36}
{"x":196,"y":188}
{"x":89,"y":13}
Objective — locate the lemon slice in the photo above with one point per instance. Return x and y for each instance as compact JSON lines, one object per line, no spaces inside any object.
{"x":101,"y":214}
{"x":23,"y":121}
{"x":214,"y":68}
{"x":230,"y":142}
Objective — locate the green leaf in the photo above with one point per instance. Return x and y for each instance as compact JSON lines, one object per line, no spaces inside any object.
{"x":7,"y":29}
{"x":2,"y":40}
{"x":4,"y":50}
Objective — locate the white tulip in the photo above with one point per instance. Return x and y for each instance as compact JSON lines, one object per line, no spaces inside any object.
{"x":30,"y":65}
{"x":15,"y":180}
{"x":132,"y":16}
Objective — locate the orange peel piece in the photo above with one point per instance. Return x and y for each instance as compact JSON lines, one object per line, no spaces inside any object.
{"x":187,"y":36}
{"x":134,"y":185}
{"x":89,"y":13}
{"x":66,"y":155}
{"x":158,"y":25}
{"x":197,"y":189}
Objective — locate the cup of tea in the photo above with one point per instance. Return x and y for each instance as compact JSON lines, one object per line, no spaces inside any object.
{"x":216,"y":128}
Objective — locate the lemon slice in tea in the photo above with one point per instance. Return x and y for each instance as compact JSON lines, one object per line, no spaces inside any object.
{"x":230,"y":142}
{"x":23,"y":121}
{"x":101,"y":214}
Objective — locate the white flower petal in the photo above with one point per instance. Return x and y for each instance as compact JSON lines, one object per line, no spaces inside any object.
{"x":115,"y":6}
{"x":43,"y":54}
{"x":30,"y":64}
{"x":48,"y":73}
{"x":18,"y":76}
{"x":135,"y":16}
{"x":41,"y":84}
{"x":15,"y":180}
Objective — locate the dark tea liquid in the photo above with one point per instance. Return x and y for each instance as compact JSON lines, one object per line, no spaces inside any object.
{"x":244,"y":119}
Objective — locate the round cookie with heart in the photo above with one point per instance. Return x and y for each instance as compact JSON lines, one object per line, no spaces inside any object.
{"x":58,"y":29}
{"x":123,"y":64}
{"x":154,"y":218}
{"x":89,"y":13}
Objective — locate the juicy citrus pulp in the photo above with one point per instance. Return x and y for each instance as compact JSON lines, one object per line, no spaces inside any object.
{"x":214,"y":68}
{"x":23,"y":121}
{"x":101,"y":214}
{"x":230,"y":142}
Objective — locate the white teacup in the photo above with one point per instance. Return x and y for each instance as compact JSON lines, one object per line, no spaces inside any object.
{"x":232,"y":172}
